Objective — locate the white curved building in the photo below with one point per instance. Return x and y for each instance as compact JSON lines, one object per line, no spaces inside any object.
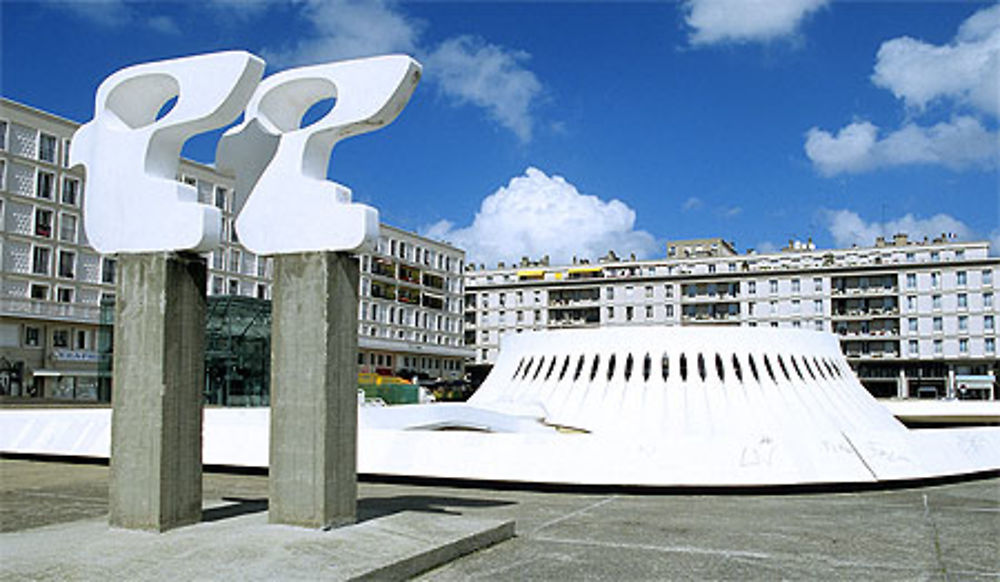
{"x":656,"y":406}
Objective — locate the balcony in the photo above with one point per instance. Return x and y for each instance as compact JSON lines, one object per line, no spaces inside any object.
{"x":24,"y":307}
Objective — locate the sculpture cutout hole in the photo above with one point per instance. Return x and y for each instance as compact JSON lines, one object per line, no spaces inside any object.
{"x":797,"y":369}
{"x":562,"y":373}
{"x":611,"y":367}
{"x":701,"y":366}
{"x":518,"y":370}
{"x":770,"y":371}
{"x":819,"y":368}
{"x":647,"y":368}
{"x":552,"y":367}
{"x":579,"y":368}
{"x":138,"y":101}
{"x":665,"y":366}
{"x":753,"y":368}
{"x":541,"y":362}
{"x":527,"y":368}
{"x":317,"y":111}
{"x":719,"y":369}
{"x":166,"y":108}
{"x":593,"y":369}
{"x":784,"y":370}
{"x":628,"y":367}
{"x":737,"y":369}
{"x":684,"y":368}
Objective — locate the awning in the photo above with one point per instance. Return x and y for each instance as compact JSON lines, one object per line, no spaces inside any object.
{"x":531,"y":273}
{"x":585,"y":270}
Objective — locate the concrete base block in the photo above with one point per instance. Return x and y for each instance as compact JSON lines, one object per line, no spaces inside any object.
{"x":159,"y":371}
{"x":314,"y":407}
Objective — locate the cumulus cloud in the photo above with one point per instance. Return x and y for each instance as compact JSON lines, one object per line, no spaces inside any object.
{"x":963,"y":75}
{"x":470,"y":70}
{"x":965,"y":71}
{"x":960,"y":143}
{"x":536,"y":214}
{"x":347,"y":29}
{"x":741,"y":21}
{"x":466,"y":70}
{"x":113,"y":14}
{"x":848,"y":228}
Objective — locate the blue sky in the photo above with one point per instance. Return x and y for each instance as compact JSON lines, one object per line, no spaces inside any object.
{"x":573,"y":128}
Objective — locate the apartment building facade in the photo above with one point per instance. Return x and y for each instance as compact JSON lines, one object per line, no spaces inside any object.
{"x":912,"y":316}
{"x":52,"y":282}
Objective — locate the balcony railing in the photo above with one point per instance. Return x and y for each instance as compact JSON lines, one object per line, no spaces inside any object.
{"x":21,"y":306}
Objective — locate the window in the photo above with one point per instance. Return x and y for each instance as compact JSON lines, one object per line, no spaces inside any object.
{"x":43,"y":222}
{"x":818,"y":324}
{"x":60,"y":338}
{"x":752,"y":287}
{"x":220,"y":198}
{"x":938,"y":347}
{"x":47,"y":148}
{"x":987,"y":322}
{"x":910,"y":257}
{"x":649,"y":312}
{"x":914,"y":346}
{"x":796,"y":306}
{"x":987,"y":300}
{"x":938,"y":324}
{"x":817,"y":284}
{"x":912,"y":324}
{"x":959,"y":255}
{"x":43,"y":184}
{"x":31,"y":336}
{"x":649,"y":291}
{"x":40,"y":258}
{"x":963,"y":300}
{"x":961,"y":278}
{"x":936,"y":280}
{"x":64,"y":295}
{"x":817,"y":306}
{"x":670,"y":310}
{"x":670,"y":291}
{"x":3,"y":138}
{"x":773,"y":286}
{"x":936,"y":301}
{"x":67,"y":228}
{"x":234,"y":289}
{"x":70,"y":191}
{"x":3,"y":174}
{"x":67,"y":264}
{"x":963,"y":322}
{"x":40,"y":292}
{"x":629,"y":313}
{"x":935,"y":256}
{"x":911,"y":280}
{"x":911,"y":302}
{"x":65,"y":153}
{"x":988,"y":277}
{"x":796,"y":286}
{"x":108,"y":267}
{"x":963,"y":345}
{"x":216,"y":285}
{"x":990,"y":345}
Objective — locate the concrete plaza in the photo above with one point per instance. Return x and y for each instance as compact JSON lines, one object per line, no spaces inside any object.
{"x":941,"y":532}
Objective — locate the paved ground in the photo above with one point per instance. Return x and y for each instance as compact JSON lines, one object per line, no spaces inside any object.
{"x":947,"y":532}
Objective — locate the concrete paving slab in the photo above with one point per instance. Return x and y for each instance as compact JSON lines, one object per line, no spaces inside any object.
{"x":246,"y":547}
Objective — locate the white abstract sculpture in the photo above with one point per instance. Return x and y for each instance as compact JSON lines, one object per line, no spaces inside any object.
{"x":284,"y":201}
{"x":134,"y":202}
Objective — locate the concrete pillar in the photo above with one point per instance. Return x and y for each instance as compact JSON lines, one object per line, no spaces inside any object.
{"x":159,"y":371}
{"x":903,"y":385}
{"x":314,"y":383}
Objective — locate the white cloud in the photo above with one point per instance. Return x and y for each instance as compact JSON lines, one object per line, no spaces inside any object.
{"x":740,"y":21}
{"x":957,"y":144}
{"x":536,"y":215}
{"x":848,"y":228}
{"x":464,"y":69}
{"x":163,"y":24}
{"x":963,"y":74}
{"x":692,"y":203}
{"x":966,"y":71}
{"x":349,"y":29}
{"x":471,"y":71}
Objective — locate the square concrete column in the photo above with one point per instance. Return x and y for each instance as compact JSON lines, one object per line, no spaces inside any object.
{"x":159,"y":372}
{"x":314,"y":383}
